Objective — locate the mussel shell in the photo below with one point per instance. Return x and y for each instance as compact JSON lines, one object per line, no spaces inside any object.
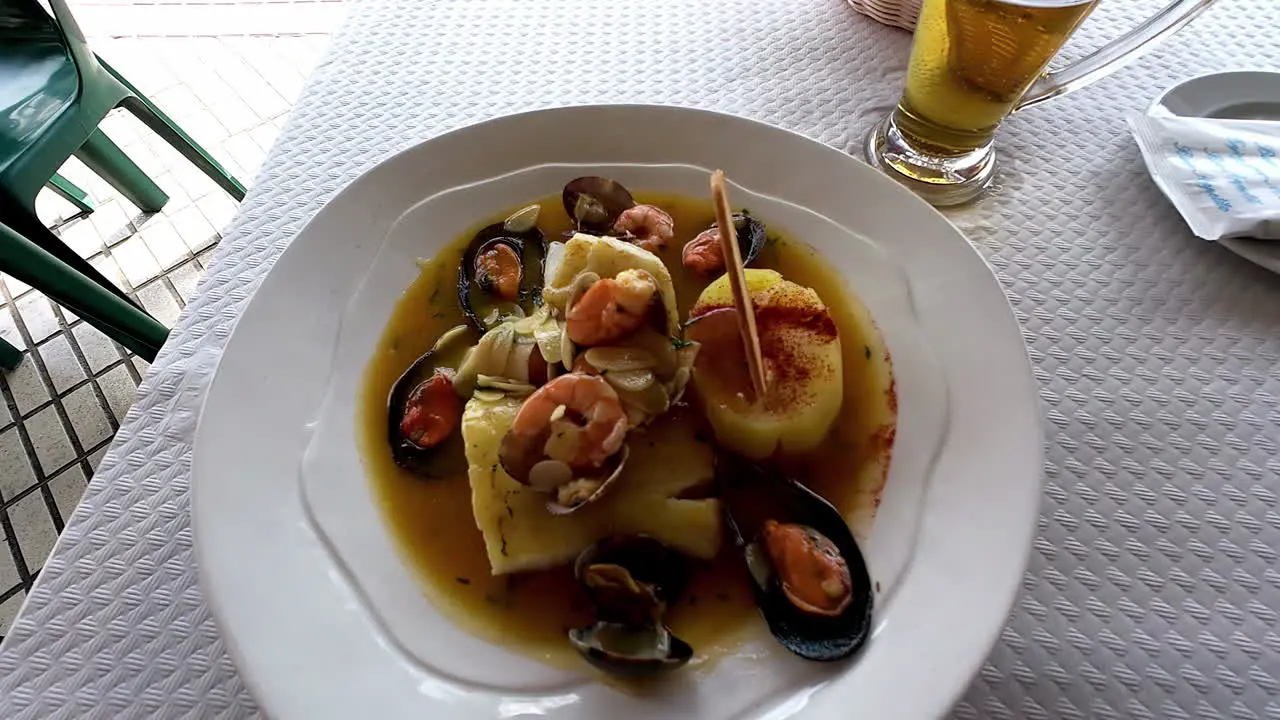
{"x":648,"y":560}
{"x":529,"y":246}
{"x":751,"y":495}
{"x":447,"y":459}
{"x":628,"y":650}
{"x":594,"y":203}
{"x":751,"y":236}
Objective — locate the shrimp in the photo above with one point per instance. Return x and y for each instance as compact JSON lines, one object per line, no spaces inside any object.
{"x":704,"y":254}
{"x":574,"y":419}
{"x":611,"y":308}
{"x":648,"y":226}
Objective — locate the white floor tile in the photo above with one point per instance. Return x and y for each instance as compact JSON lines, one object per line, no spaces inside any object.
{"x":88,"y":419}
{"x":9,"y":610}
{"x":60,"y":363}
{"x":67,"y":488}
{"x":98,"y":349}
{"x":9,"y":329}
{"x":34,"y":529}
{"x":28,"y":389}
{"x":135,"y":260}
{"x":109,"y":268}
{"x":53,"y":448}
{"x":37,"y":315}
{"x":218,"y":209}
{"x":95,"y":459}
{"x":194,"y":229}
{"x":111,"y":220}
{"x":8,"y":570}
{"x":163,"y":241}
{"x":81,"y":236}
{"x":158,"y":301}
{"x":117,"y":385}
{"x":185,"y":277}
{"x":15,"y":470}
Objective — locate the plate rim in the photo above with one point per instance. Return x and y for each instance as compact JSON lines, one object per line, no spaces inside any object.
{"x":1027,"y":388}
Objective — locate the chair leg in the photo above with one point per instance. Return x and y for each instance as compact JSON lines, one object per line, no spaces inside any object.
{"x":23,"y":221}
{"x":123,"y":322}
{"x":154,"y":118}
{"x":106,"y":159}
{"x":71,"y":193}
{"x":10,"y":356}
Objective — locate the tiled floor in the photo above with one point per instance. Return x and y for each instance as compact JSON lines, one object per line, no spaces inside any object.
{"x":228,"y":72}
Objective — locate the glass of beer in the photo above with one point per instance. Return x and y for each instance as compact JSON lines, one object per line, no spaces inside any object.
{"x":973,"y":63}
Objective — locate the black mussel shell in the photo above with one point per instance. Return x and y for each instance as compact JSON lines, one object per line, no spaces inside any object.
{"x":629,"y":650}
{"x":447,"y":459}
{"x":594,"y":203}
{"x":753,"y":494}
{"x":751,"y":236}
{"x":648,"y":561}
{"x":529,"y":246}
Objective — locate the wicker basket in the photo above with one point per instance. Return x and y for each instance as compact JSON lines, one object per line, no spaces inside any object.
{"x":900,"y":13}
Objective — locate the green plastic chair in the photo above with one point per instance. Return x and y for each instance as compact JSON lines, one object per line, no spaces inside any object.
{"x":54,"y":92}
{"x":99,"y":307}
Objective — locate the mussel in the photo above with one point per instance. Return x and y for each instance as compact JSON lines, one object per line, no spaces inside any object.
{"x":704,"y":253}
{"x":631,"y":580}
{"x":594,"y":203}
{"x":500,"y":275}
{"x":423,"y":411}
{"x":810,"y":580}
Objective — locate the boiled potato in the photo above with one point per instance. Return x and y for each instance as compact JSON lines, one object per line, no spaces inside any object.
{"x":803,"y":365}
{"x":519,"y":533}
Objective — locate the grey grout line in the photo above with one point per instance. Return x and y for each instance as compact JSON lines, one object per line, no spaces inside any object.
{"x":4,"y":596}
{"x":70,"y":389}
{"x":173,"y":291}
{"x":15,"y":550}
{"x":55,"y":515}
{"x":44,"y":481}
{"x":78,"y":353}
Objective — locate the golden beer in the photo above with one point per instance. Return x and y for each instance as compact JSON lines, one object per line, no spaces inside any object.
{"x":972,"y":61}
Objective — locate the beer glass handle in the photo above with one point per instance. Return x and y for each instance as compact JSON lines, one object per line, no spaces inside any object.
{"x":1116,"y":54}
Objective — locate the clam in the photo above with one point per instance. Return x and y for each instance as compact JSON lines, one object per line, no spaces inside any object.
{"x":423,"y":410}
{"x":500,"y":275}
{"x":631,"y":581}
{"x":705,"y":255}
{"x":568,"y":490}
{"x":809,"y":578}
{"x":594,"y":203}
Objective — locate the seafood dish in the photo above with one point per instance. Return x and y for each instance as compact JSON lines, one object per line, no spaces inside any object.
{"x":578,"y":449}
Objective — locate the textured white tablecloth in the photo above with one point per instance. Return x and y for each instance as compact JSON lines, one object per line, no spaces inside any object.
{"x":1153,"y":590}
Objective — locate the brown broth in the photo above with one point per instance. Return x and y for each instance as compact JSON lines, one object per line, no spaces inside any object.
{"x":530,"y":612}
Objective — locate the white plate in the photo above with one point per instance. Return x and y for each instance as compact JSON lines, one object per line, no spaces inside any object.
{"x":1238,"y":95}
{"x":317,"y":636}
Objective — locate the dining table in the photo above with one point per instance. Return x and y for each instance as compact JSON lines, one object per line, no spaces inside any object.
{"x":1153,"y":584}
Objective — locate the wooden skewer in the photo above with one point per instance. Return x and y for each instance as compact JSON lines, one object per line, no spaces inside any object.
{"x":738,"y":283}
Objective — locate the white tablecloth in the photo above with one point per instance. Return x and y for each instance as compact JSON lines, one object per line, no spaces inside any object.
{"x":1153,"y":589}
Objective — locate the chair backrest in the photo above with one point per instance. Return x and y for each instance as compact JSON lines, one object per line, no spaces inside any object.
{"x":73,"y":37}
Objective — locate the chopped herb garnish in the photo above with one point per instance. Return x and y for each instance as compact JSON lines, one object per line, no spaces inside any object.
{"x":678,"y":343}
